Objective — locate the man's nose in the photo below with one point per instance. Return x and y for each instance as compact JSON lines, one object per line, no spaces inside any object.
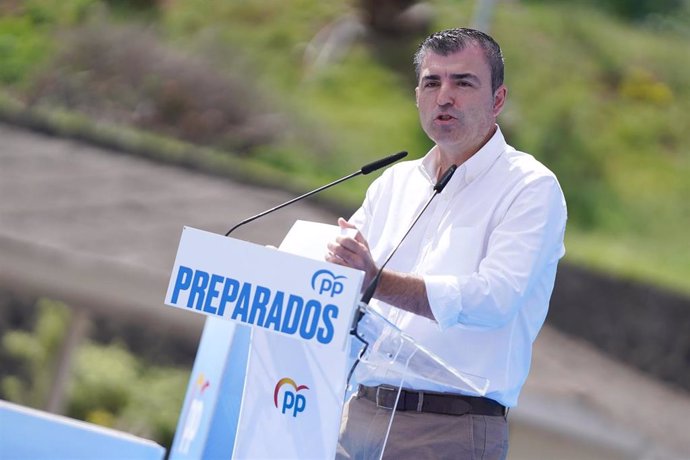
{"x":445,"y":95}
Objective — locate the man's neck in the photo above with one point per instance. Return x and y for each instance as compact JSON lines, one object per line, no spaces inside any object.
{"x":449,"y":156}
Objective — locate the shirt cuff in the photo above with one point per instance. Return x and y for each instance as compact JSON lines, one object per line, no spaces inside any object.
{"x":445,"y":299}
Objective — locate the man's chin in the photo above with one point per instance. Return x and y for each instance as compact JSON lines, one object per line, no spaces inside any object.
{"x":447,"y":137}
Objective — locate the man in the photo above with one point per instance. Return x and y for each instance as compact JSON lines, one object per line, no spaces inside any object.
{"x":472,"y":280}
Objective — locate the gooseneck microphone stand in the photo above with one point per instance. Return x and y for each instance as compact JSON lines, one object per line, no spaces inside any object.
{"x":373,"y":284}
{"x":366,"y":169}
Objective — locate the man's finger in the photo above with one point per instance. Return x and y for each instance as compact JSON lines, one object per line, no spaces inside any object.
{"x":342,"y":223}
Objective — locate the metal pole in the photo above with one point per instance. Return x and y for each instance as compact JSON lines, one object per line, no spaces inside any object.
{"x":76,"y":332}
{"x":483,"y":14}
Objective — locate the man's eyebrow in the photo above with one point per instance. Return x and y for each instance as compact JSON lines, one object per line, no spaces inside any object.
{"x":454,"y":76}
{"x":465,"y":76}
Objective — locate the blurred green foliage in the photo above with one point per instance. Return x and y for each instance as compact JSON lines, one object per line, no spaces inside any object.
{"x":597,"y":90}
{"x":108,"y":385}
{"x":614,"y":101}
{"x":111,"y":387}
{"x":629,"y":9}
{"x":36,"y":353}
{"x":21,"y":47}
{"x":603,"y":102}
{"x":27,"y":34}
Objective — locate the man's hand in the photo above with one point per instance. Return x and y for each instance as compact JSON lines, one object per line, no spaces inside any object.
{"x":402,"y":290}
{"x":352,"y":252}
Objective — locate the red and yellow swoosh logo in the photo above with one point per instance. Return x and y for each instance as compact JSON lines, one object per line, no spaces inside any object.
{"x":286,"y":381}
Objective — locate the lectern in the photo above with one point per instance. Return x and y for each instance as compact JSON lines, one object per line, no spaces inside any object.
{"x":277,"y":360}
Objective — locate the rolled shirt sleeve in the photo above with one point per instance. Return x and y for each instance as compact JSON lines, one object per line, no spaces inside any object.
{"x":521,"y":252}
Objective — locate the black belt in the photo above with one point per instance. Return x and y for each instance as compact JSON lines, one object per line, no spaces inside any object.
{"x":424,"y":401}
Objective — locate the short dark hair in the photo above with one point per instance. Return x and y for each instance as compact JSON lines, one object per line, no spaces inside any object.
{"x":450,"y":41}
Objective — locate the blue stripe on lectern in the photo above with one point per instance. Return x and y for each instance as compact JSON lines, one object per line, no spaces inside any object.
{"x":209,"y":419}
{"x":222,"y":435}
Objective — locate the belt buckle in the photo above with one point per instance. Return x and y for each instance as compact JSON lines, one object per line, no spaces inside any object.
{"x":381,"y":392}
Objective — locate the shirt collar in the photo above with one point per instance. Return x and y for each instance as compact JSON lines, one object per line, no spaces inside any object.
{"x":475,"y":166}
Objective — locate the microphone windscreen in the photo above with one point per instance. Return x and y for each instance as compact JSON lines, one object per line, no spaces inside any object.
{"x":443,"y":181}
{"x":382,"y":163}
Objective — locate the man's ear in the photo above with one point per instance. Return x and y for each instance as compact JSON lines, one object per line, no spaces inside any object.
{"x":416,"y":96}
{"x":500,"y":99}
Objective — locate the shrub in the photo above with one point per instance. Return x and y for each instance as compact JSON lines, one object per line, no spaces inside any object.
{"x":122,"y":74}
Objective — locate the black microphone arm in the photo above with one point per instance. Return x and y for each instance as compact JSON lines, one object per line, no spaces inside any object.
{"x":438,"y":188}
{"x":366,"y":169}
{"x":371,"y":288}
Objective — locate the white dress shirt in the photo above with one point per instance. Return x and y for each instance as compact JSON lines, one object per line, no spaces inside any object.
{"x":487,"y":248}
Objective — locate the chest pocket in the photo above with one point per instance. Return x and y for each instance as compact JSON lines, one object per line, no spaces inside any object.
{"x":456,"y":251}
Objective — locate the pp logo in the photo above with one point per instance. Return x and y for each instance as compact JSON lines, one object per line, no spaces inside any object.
{"x":325,"y":281}
{"x":292,"y":401}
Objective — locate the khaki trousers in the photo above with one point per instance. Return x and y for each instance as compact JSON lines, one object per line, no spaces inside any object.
{"x":419,"y":436}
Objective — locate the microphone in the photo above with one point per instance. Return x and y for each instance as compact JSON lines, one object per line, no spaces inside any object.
{"x":369,"y":291}
{"x":438,"y":188}
{"x":364,"y":170}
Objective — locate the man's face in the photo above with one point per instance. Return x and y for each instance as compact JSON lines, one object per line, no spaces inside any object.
{"x":457,"y":108}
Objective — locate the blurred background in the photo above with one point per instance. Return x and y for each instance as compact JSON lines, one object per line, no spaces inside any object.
{"x":123,"y":120}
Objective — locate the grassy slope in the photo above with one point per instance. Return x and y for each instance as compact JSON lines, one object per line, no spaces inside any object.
{"x":602,"y":103}
{"x":619,"y":96}
{"x":358,"y":109}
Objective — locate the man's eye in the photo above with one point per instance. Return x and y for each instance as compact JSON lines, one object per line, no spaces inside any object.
{"x":430,"y":84}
